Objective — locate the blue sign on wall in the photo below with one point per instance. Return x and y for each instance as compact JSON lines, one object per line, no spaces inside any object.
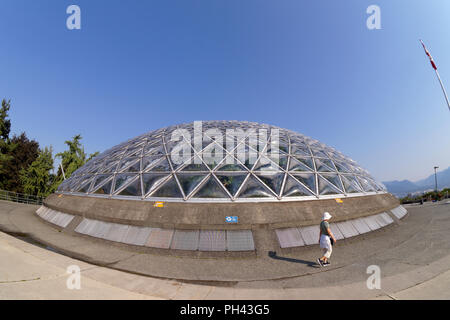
{"x":231,"y":219}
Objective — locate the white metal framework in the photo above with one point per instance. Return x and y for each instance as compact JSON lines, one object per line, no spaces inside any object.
{"x":287,"y":166}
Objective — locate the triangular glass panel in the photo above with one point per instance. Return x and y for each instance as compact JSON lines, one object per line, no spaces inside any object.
{"x":89,"y":169}
{"x":294,"y":189}
{"x":197,"y":142}
{"x":135,"y":152}
{"x":179,"y":162}
{"x":244,"y":159}
{"x":230,"y":143}
{"x":373,"y":183}
{"x":133,"y":189}
{"x":379,"y":186}
{"x":342,"y":167}
{"x":99,"y":180}
{"x":178,"y":147}
{"x":307,"y":161}
{"x":273,"y":180}
{"x":230,"y":167}
{"x":324,"y":165}
{"x":169,"y":189}
{"x":333,"y":179}
{"x":151,"y":144}
{"x":110,"y":167}
{"x":211,"y":189}
{"x":207,"y":141}
{"x":272,"y":148}
{"x":265,"y":164}
{"x":75,"y":183}
{"x":231,"y":182}
{"x":213,"y":152}
{"x":123,"y":179}
{"x":161,"y":166}
{"x":350,"y":184}
{"x":367,"y":186}
{"x":117,"y":155}
{"x":104,"y":189}
{"x":297,"y":140}
{"x":196,"y":164}
{"x":212,"y":163}
{"x":300,"y":150}
{"x":314,"y":143}
{"x":153,"y":151}
{"x":308,"y":179}
{"x":319,"y":153}
{"x":284,"y":147}
{"x":357,"y":170}
{"x":325,"y":187}
{"x":251,"y":153}
{"x":149,"y":162}
{"x":280,"y":160}
{"x":130,"y":165}
{"x":63,"y":186}
{"x":254,"y":189}
{"x":151,"y":181}
{"x":189,"y":181}
{"x":85,"y":185}
{"x":295,"y":165}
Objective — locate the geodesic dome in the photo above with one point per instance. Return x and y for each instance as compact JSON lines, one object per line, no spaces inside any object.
{"x":221,"y":161}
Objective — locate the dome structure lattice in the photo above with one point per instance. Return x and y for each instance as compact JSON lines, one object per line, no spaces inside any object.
{"x":221,"y":161}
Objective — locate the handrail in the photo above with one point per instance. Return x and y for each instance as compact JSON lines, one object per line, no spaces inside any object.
{"x":20,"y":197}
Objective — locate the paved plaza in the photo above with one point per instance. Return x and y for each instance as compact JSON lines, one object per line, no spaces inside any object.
{"x":413,"y":257}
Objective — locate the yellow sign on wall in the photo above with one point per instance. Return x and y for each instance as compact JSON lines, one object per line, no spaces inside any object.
{"x":339,"y":200}
{"x":158,"y":204}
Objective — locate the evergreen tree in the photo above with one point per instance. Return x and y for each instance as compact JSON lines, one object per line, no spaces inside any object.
{"x":72,"y":159}
{"x":37,"y":178}
{"x":22,"y":152}
{"x":5,"y":145}
{"x":5,"y":124}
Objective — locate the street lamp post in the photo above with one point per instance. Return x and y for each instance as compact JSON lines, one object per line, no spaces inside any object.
{"x":435,"y":178}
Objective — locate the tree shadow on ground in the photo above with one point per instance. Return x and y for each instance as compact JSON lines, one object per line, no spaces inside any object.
{"x":273,"y":255}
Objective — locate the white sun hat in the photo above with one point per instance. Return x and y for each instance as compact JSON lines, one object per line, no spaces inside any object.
{"x":326,"y":216}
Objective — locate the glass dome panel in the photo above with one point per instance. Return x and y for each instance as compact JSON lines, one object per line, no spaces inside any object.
{"x":221,"y":161}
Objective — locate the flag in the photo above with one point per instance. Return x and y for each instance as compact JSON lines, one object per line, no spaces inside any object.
{"x":429,"y":56}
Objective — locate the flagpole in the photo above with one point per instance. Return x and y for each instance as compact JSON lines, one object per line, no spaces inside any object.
{"x":437,"y":73}
{"x":443,"y":89}
{"x":62,"y":169}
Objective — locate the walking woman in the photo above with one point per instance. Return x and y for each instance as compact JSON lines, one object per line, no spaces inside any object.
{"x":324,"y":240}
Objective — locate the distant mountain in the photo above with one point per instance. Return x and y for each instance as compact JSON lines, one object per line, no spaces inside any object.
{"x":402,"y":188}
{"x":443,"y":178}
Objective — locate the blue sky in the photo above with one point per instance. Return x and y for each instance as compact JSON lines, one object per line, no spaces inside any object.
{"x":312,"y":67}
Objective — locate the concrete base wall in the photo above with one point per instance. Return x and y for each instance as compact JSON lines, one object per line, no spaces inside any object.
{"x":212,"y":215}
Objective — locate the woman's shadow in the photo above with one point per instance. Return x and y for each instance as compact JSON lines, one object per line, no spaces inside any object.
{"x":273,"y":255}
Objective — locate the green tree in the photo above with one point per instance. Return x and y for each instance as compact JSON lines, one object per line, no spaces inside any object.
{"x":37,"y":178}
{"x":22,"y":152}
{"x":5,"y":145}
{"x":15,"y":154}
{"x":5,"y":124}
{"x":72,"y":159}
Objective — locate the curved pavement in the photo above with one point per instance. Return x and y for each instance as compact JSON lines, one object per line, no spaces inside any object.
{"x":413,"y":256}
